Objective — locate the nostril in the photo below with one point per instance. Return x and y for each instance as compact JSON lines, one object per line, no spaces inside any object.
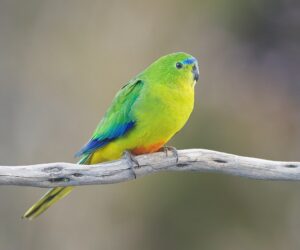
{"x":194,"y":68}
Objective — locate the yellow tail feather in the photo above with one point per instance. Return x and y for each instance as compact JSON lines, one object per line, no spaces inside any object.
{"x":52,"y":196}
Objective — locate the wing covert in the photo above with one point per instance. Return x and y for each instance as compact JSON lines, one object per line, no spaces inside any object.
{"x":118,"y":119}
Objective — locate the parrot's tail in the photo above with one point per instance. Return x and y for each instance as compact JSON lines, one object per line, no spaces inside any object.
{"x":52,"y":196}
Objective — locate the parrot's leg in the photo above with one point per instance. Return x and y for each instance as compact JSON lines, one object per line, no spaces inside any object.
{"x":132,"y":161}
{"x":173,"y":150}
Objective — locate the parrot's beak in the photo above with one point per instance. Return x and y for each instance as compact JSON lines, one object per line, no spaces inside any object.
{"x":195,"y":72}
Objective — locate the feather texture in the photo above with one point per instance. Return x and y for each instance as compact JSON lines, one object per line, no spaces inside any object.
{"x":117,"y":121}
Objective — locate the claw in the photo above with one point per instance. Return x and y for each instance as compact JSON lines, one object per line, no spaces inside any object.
{"x":132,"y":161}
{"x":173,"y":150}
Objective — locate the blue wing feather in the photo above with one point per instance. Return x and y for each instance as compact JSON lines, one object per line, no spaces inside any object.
{"x":116,"y":122}
{"x":96,"y":143}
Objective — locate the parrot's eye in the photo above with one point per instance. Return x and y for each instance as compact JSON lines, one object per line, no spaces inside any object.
{"x":179,"y":65}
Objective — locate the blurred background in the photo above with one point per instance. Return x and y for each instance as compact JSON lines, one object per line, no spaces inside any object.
{"x":61,"y":62}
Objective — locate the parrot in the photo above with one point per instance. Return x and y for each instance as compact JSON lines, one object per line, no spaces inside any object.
{"x":144,"y":115}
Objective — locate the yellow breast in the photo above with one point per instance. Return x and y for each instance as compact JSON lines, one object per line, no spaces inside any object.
{"x":160,"y":113}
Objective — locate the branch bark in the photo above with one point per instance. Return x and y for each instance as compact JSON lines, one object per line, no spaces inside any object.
{"x":195,"y":160}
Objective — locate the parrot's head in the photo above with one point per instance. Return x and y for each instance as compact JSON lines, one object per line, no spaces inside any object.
{"x":176,"y":68}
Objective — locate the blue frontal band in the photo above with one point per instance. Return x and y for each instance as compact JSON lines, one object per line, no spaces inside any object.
{"x":189,"y":61}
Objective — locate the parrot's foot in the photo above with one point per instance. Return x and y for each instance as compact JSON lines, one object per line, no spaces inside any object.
{"x":173,"y":150}
{"x":132,"y":161}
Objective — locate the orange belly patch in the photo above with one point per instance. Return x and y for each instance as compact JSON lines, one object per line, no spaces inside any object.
{"x":148,"y":149}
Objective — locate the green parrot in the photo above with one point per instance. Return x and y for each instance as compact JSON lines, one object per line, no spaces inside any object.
{"x":144,"y":115}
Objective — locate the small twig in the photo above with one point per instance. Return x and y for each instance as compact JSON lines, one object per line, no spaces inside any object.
{"x":196,"y":160}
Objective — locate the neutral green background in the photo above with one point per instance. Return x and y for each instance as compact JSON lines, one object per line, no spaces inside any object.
{"x":61,"y":62}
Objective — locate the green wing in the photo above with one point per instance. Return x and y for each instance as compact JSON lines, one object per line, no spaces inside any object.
{"x":118,"y":119}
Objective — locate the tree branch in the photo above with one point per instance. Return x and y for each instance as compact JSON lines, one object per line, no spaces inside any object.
{"x":195,"y":160}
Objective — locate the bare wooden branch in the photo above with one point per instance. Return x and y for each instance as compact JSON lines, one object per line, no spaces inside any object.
{"x":195,"y":160}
